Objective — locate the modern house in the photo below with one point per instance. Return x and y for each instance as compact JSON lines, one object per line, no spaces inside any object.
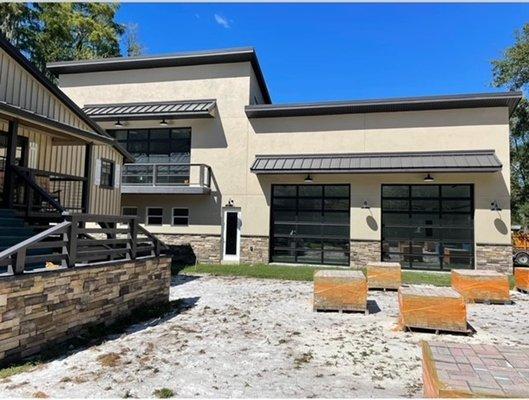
{"x":422,"y":180}
{"x":59,"y":177}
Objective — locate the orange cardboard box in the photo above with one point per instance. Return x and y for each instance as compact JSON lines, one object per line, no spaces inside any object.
{"x":434,"y":308}
{"x":384,"y":275}
{"x":340,"y":290}
{"x":481,"y":285}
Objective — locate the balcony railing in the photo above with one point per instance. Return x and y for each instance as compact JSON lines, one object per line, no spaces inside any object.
{"x":166,"y":178}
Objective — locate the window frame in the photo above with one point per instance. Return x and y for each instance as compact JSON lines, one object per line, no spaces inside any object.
{"x":112,"y":176}
{"x":147,"y":216}
{"x":180,"y":216}
{"x":149,"y":140}
{"x":439,"y":227}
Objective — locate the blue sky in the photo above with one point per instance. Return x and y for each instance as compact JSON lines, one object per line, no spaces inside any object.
{"x":317,"y":52}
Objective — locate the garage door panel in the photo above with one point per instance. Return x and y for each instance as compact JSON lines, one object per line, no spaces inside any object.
{"x":311,"y":224}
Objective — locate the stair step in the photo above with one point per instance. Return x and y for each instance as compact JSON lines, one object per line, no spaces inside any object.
{"x":7,"y":212}
{"x":11,"y":222}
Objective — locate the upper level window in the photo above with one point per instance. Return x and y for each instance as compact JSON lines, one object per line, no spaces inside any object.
{"x":107,"y":173}
{"x":156,"y":145}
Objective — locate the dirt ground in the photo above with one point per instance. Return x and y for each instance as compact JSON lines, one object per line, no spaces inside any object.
{"x":245,"y":337}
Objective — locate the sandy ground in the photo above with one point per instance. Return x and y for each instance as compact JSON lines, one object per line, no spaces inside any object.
{"x":260,"y":338}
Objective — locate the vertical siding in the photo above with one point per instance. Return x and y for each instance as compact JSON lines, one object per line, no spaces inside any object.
{"x":105,"y":201}
{"x":19,"y":88}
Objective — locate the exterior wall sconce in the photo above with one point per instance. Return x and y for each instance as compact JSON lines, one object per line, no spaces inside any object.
{"x":308,"y":179}
{"x":428,"y":178}
{"x":230,"y":203}
{"x":365,"y":206}
{"x":163,"y":122}
{"x":494,"y":206}
{"x":118,"y":123}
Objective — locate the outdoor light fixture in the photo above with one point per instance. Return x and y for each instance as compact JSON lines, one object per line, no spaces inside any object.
{"x":429,"y":178}
{"x":494,"y":206}
{"x":365,"y":206}
{"x":308,"y":179}
{"x":230,"y":203}
{"x":118,"y":123}
{"x":163,"y":123}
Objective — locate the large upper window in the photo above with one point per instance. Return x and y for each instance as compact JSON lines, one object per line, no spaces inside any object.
{"x":156,"y":145}
{"x":428,"y":226}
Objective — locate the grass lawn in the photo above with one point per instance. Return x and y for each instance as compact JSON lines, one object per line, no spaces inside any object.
{"x":306,"y":273}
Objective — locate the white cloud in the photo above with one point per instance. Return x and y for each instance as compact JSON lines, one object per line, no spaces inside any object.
{"x":222,"y":21}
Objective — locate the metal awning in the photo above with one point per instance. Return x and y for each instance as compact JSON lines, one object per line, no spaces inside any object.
{"x":142,"y":111}
{"x":446,"y":161}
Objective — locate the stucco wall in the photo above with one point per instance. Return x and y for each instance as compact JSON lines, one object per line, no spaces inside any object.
{"x":230,"y":142}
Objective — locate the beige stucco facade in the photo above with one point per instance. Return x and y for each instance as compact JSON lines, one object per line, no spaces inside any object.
{"x":230,"y":141}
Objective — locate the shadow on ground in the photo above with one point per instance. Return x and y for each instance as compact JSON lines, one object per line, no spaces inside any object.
{"x":182,"y":279}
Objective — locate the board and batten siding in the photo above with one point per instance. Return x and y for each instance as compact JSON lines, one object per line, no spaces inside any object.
{"x":70,"y":159}
{"x":19,"y":88}
{"x":106,"y":200}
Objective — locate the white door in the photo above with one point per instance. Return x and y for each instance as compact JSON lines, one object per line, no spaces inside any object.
{"x":231,"y":235}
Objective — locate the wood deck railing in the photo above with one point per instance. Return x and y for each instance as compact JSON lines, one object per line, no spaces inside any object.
{"x":81,"y":239}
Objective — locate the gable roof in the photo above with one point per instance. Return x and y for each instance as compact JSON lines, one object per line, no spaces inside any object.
{"x":475,"y":100}
{"x":98,"y":132}
{"x":223,"y":56}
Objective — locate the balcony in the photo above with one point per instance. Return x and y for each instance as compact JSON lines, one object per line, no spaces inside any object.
{"x":166,"y":178}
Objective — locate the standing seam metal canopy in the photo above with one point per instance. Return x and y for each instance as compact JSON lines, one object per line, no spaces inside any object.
{"x":175,"y":109}
{"x":446,"y":161}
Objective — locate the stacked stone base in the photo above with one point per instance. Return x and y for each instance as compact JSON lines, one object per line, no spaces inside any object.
{"x":43,"y":309}
{"x":193,"y":248}
{"x":494,"y":257}
{"x":363,"y":252}
{"x":254,"y":250}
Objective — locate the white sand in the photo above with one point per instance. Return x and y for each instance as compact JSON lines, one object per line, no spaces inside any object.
{"x":260,"y":338}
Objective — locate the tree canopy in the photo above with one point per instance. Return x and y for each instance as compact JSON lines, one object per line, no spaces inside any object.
{"x":512,"y":71}
{"x":47,"y":32}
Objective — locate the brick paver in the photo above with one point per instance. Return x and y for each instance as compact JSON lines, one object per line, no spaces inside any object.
{"x":456,"y":369}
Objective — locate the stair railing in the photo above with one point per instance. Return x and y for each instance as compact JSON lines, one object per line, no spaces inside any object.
{"x":82,"y":239}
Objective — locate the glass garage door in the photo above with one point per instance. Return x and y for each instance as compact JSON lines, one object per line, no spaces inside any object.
{"x":428,"y":226}
{"x":310,"y":224}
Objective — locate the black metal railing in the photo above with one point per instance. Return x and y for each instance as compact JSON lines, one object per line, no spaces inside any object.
{"x":166,"y":174}
{"x":41,"y":193}
{"x":81,"y":239}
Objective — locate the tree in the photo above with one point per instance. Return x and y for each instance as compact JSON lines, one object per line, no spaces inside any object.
{"x":48,"y":32}
{"x":131,"y":42}
{"x":513,"y":72}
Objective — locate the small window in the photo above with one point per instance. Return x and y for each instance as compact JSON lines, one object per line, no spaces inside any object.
{"x":181,"y":216}
{"x":154,"y":216}
{"x":129,"y":211}
{"x":107,"y":173}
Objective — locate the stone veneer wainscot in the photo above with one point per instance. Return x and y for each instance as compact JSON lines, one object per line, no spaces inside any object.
{"x":38,"y":310}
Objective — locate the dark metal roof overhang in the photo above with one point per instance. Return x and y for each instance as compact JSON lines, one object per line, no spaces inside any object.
{"x":152,"y":110}
{"x":442,"y":161}
{"x":223,"y":56}
{"x":476,"y":100}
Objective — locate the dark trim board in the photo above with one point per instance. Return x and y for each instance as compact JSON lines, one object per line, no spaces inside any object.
{"x":223,"y":56}
{"x":476,"y":100}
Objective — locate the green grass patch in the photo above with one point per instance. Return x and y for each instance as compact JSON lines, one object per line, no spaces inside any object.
{"x":163,"y":393}
{"x":306,"y":273}
{"x":17,"y":369}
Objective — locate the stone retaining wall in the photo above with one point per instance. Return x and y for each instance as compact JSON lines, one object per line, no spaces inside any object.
{"x":42,"y":309}
{"x":494,"y":257}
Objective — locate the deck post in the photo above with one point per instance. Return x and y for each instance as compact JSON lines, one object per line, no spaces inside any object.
{"x":85,"y":201}
{"x":11,"y":152}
